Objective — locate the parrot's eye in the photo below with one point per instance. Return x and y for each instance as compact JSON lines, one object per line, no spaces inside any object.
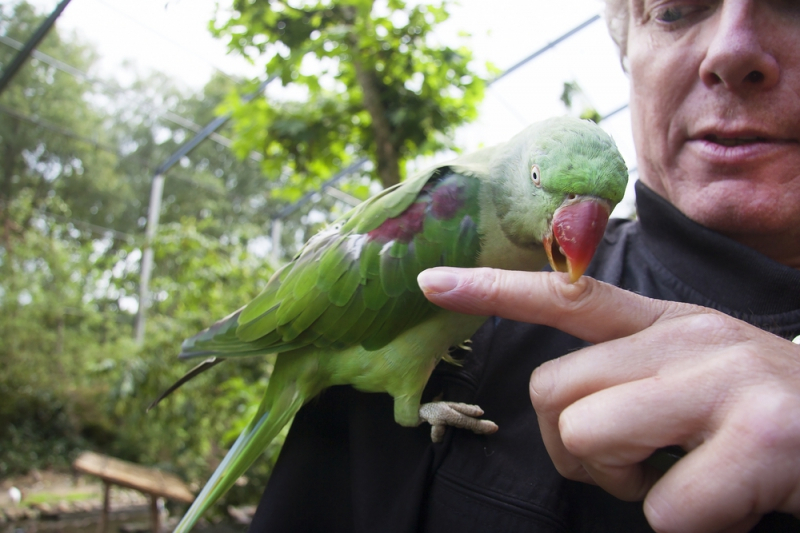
{"x":536,"y":175}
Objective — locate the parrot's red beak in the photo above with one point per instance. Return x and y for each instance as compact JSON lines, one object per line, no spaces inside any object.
{"x":577,"y":229}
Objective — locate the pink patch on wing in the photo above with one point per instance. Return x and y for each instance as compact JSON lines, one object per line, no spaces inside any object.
{"x":447,"y":199}
{"x":403,"y":227}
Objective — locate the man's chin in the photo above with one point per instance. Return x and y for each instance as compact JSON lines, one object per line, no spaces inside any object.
{"x":734,"y":204}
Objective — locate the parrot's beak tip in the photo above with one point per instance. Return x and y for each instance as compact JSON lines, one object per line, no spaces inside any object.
{"x":575,"y":271}
{"x":575,"y":234}
{"x":561,"y":263}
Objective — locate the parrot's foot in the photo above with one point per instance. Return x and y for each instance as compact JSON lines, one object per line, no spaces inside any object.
{"x":465,"y":346}
{"x":461,"y":415}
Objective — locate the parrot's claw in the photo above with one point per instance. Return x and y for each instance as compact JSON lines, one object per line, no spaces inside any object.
{"x":461,"y":415}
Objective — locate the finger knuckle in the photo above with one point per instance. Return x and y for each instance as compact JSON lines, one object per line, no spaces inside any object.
{"x":488,"y":283}
{"x":765,"y":422}
{"x":739,"y":364}
{"x":544,"y":387}
{"x":571,"y":470}
{"x":575,"y":439}
{"x":570,"y":296}
{"x":748,"y":360}
{"x":711,"y":325}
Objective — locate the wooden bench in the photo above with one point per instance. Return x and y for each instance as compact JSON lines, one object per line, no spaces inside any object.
{"x":148,"y":480}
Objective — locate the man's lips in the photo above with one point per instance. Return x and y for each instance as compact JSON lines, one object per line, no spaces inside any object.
{"x":738,"y":147}
{"x":734,"y":141}
{"x":739,"y":136}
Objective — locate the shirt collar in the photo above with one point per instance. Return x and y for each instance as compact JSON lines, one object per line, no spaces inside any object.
{"x":722,"y":269}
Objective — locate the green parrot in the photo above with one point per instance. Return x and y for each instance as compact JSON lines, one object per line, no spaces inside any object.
{"x":348,"y":310}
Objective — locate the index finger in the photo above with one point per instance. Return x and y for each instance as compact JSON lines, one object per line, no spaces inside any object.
{"x":588,"y":309}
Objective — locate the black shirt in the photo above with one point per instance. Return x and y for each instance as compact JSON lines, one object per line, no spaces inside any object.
{"x":347,"y":466}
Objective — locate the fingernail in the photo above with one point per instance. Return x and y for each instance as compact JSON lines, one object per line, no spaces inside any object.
{"x":437,"y":280}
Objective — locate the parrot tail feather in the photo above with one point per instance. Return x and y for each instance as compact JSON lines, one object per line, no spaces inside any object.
{"x":264,"y":427}
{"x":209,"y":363}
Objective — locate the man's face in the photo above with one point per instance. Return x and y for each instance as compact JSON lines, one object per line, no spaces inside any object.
{"x":715,"y":101}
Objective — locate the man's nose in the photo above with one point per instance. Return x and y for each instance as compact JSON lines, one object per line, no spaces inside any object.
{"x":736,"y":57}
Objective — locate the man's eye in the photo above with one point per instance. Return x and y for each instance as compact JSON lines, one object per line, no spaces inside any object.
{"x":669,"y":14}
{"x":674,"y":16}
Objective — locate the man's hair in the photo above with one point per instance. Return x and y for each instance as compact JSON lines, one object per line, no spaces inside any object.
{"x":617,"y":17}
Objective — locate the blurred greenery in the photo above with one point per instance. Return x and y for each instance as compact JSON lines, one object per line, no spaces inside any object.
{"x":360,"y":79}
{"x":575,"y":100}
{"x":77,"y":155}
{"x":77,"y":159}
{"x":57,"y":497}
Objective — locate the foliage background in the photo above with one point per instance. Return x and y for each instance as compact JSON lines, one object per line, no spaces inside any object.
{"x":77,"y":155}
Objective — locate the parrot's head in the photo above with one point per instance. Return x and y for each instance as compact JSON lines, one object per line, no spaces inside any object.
{"x":558,"y":182}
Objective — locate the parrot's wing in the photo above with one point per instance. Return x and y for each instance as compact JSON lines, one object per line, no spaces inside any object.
{"x":394,"y":200}
{"x":356,"y":282}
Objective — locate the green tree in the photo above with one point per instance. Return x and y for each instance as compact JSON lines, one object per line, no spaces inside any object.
{"x":363,"y":78}
{"x":36,"y":108}
{"x":55,"y":168}
{"x":189,"y":431}
{"x":77,"y":161}
{"x":573,"y":96}
{"x":58,"y":319}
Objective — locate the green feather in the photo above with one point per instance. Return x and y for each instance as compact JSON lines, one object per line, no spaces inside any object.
{"x":464,"y":249}
{"x":415,"y":309}
{"x":306,"y":338}
{"x":335,"y":261}
{"x":437,"y":231}
{"x":368,"y":331}
{"x":310,"y":312}
{"x":388,"y":204}
{"x":429,"y":253}
{"x":292,"y":307}
{"x":370,"y":261}
{"x":410,"y":267}
{"x":265,"y":300}
{"x":352,"y":331}
{"x":375,"y":296}
{"x":398,"y":249}
{"x":303,"y":272}
{"x":254,"y":329}
{"x":325,"y":325}
{"x":392,"y":281}
{"x":356,"y":311}
{"x":345,"y":287}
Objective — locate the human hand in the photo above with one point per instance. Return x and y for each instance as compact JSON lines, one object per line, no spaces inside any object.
{"x":662,"y":373}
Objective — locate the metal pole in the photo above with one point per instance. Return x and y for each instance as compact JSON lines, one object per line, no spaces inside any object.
{"x":277,"y":222}
{"x":154,"y":209}
{"x":153,"y":214}
{"x":277,"y":229}
{"x":32,"y":43}
{"x":621,"y":108}
{"x":544,"y":49}
{"x":291,"y":208}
